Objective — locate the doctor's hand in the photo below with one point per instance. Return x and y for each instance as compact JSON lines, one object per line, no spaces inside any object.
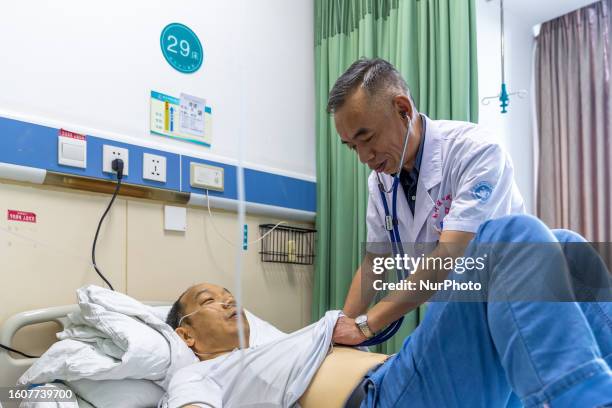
{"x":346,"y":332}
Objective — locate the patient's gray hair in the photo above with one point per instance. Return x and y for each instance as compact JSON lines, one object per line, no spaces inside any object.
{"x":376,"y":76}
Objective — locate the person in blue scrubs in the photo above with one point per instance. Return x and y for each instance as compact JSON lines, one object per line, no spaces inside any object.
{"x":512,"y":353}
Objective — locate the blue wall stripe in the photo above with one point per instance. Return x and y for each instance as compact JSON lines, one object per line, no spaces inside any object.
{"x":33,"y":145}
{"x":282,"y":191}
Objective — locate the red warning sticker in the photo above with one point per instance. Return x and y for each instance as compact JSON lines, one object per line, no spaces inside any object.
{"x":14,"y":215}
{"x":72,"y":135}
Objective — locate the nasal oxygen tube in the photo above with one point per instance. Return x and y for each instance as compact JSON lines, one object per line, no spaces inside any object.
{"x":391,"y":225}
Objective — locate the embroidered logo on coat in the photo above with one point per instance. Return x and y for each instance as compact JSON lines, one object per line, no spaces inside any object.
{"x":482,"y":191}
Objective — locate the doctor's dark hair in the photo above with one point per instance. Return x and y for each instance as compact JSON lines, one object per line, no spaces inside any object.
{"x":373,"y":75}
{"x":177,"y":311}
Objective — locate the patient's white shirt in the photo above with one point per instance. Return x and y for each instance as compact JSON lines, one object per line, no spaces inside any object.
{"x":272,"y":374}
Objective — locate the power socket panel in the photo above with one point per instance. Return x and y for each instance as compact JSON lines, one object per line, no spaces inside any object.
{"x":154,"y":167}
{"x":207,"y":177}
{"x":110,"y":153}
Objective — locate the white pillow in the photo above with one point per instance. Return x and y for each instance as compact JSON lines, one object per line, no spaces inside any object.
{"x":261,"y":331}
{"x":118,"y":393}
{"x":161,"y":312}
{"x":122,"y":393}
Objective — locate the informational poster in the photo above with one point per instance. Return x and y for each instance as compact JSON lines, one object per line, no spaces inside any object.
{"x":191,"y":115}
{"x":186,"y":118}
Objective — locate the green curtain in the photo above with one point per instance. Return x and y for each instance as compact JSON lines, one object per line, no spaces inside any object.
{"x":433,"y":44}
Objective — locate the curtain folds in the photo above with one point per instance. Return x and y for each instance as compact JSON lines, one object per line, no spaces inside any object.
{"x":574,"y":114}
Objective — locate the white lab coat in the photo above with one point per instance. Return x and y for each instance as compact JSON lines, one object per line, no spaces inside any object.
{"x":465,"y":179}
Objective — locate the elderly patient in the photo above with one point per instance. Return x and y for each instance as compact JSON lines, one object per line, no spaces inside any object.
{"x":490,"y":351}
{"x":274,"y":370}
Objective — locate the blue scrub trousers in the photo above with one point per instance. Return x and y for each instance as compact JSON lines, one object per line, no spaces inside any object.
{"x":505,"y":354}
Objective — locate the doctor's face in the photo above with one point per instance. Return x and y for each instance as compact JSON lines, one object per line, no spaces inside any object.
{"x":375,"y":129}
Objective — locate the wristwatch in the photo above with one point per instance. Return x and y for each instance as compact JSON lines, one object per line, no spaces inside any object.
{"x":362,"y":323}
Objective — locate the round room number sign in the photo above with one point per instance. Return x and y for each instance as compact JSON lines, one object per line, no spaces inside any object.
{"x":181,"y":48}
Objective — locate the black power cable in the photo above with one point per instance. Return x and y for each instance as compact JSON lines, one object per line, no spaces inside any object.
{"x":12,"y":350}
{"x":118,"y":167}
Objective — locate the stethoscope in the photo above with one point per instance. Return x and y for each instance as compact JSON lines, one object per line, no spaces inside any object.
{"x":392,"y":227}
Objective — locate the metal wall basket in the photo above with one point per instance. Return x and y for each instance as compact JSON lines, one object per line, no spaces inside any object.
{"x":287,"y":244}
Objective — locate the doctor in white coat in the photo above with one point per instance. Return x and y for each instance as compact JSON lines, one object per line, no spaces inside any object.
{"x":452,"y":177}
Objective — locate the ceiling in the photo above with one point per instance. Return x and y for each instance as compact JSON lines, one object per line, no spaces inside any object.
{"x":539,"y":11}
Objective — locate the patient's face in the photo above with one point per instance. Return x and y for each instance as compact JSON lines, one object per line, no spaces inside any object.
{"x":214,"y":325}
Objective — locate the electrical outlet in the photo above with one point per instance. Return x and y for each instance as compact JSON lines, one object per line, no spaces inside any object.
{"x":110,"y":153}
{"x":154,"y":167}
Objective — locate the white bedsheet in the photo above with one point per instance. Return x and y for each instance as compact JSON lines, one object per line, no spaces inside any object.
{"x":113,"y":337}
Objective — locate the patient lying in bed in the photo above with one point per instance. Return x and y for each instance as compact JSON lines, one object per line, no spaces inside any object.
{"x":278,"y":371}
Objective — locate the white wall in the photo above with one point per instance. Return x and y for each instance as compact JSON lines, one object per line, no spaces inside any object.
{"x":90,"y":66}
{"x":137,"y":255}
{"x":513,"y":129}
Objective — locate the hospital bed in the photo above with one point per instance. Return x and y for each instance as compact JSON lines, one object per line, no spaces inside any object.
{"x":12,"y":368}
{"x":327,"y":388}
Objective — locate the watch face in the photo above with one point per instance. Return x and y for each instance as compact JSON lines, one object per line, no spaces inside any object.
{"x":361,"y":319}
